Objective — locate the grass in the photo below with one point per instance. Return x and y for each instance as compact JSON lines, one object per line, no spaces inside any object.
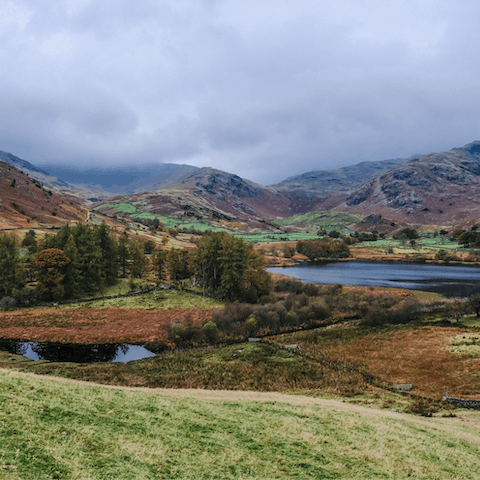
{"x":247,"y":366}
{"x":277,"y":237}
{"x":465,"y":343}
{"x":57,"y":430}
{"x":164,"y":299}
{"x":122,"y":207}
{"x":324,"y":219}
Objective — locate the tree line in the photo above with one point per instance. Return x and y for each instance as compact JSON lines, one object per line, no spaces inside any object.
{"x":82,"y":260}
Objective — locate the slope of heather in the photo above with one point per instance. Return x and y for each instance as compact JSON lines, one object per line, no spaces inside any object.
{"x":26,"y":203}
{"x":438,"y":188}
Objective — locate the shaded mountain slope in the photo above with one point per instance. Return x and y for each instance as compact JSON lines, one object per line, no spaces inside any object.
{"x":124,"y":180}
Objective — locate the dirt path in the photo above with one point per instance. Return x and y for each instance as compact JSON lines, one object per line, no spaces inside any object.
{"x":453,"y":426}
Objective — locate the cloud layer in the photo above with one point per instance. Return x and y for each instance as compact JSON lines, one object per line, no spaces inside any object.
{"x":262,"y":89}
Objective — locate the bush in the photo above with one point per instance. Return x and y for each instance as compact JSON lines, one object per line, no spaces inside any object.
{"x":7,"y":303}
{"x":210,"y":330}
{"x":422,"y":406}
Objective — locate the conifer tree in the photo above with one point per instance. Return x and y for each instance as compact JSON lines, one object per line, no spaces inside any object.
{"x":71,"y":276}
{"x":109,"y":253}
{"x":123,"y":254}
{"x":9,"y":264}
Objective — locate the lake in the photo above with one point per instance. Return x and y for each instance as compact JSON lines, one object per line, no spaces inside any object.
{"x":447,"y":280}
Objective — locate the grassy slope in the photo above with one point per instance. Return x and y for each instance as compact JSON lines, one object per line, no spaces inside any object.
{"x":324,"y":219}
{"x":58,"y":430}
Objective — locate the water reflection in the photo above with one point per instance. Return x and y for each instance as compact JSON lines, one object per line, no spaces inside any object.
{"x":76,"y":352}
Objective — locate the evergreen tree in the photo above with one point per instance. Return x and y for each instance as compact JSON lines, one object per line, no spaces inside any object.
{"x":109,"y":253}
{"x":234,"y":265}
{"x":91,"y":274}
{"x":72,"y":275}
{"x":123,"y":254}
{"x":9,"y":264}
{"x":229,"y":267}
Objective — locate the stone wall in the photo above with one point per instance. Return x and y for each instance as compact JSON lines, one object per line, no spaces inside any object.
{"x":462,"y":402}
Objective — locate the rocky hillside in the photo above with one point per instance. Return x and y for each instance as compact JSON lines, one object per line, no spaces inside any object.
{"x":438,"y":188}
{"x":324,"y":189}
{"x":26,"y":203}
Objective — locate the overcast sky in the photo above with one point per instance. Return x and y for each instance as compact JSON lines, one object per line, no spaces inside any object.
{"x":262,"y":88}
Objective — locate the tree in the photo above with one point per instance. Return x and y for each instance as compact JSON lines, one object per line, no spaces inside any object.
{"x":455,"y":309}
{"x":234,"y":264}
{"x":474,"y":302}
{"x":109,"y":253}
{"x":91,"y":267}
{"x":229,"y":267}
{"x":178,"y":264}
{"x":160,"y":263}
{"x":123,"y":254}
{"x":50,"y":264}
{"x":9,"y":264}
{"x":139,"y":261}
{"x":72,"y":270}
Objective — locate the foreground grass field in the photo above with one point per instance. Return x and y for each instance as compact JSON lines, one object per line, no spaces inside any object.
{"x":71,"y":430}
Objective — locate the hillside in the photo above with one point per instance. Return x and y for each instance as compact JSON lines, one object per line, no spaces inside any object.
{"x":206,"y":194}
{"x":438,"y":188}
{"x":26,"y":203}
{"x":66,"y":429}
{"x":324,"y":189}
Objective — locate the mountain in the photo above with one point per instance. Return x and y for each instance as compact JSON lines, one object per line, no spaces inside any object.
{"x":123,"y":180}
{"x":207,"y":194}
{"x":324,"y":189}
{"x":438,"y":188}
{"x":26,"y":203}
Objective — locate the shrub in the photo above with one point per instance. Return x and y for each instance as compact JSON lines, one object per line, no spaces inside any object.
{"x":210,"y":330}
{"x":422,"y":406}
{"x":7,"y":303}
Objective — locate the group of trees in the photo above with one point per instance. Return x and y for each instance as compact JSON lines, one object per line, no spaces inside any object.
{"x":81,"y":260}
{"x":323,"y":248}
{"x":231,"y":268}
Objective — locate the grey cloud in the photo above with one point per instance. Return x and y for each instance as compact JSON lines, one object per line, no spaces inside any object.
{"x":263,"y":89}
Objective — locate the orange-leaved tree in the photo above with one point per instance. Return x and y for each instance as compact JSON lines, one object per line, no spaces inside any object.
{"x":50,"y":265}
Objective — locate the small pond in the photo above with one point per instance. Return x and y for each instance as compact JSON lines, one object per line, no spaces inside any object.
{"x":447,"y":280}
{"x":76,"y":352}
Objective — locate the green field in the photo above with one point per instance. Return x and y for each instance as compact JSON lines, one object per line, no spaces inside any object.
{"x":276,"y":237}
{"x":52,"y":429}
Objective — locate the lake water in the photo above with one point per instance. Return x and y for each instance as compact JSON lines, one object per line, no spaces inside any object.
{"x":447,"y":280}
{"x":74,"y":352}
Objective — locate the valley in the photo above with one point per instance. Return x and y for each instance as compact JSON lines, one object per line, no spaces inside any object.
{"x":176,"y":261}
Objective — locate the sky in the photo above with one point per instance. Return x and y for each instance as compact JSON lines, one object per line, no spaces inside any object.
{"x":263,"y":89}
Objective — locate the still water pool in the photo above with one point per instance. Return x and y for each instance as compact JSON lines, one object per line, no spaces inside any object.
{"x":76,"y":352}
